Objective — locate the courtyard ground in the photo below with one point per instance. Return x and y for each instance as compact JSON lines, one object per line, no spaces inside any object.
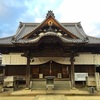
{"x":50,"y":97}
{"x":72,"y":94}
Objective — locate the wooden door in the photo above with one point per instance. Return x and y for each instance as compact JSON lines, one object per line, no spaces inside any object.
{"x":35,"y":71}
{"x":65,"y":71}
{"x":45,"y":69}
{"x":55,"y":69}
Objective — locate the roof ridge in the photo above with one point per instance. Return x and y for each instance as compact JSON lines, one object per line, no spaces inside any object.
{"x":84,"y":35}
{"x":69,"y":23}
{"x":93,"y":37}
{"x":18,"y":31}
{"x":7,"y":37}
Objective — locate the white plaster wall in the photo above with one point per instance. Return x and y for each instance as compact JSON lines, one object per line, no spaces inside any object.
{"x":85,"y":59}
{"x":17,"y":59}
{"x":5,"y":59}
{"x":13,"y":59}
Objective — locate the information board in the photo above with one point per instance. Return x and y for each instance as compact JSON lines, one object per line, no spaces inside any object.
{"x":81,"y":76}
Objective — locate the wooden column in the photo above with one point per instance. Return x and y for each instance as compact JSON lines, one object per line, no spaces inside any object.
{"x":72,"y":71}
{"x":50,"y":71}
{"x":28,"y":72}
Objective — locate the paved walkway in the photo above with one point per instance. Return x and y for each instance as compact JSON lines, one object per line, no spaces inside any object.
{"x":83,"y":98}
{"x":51,"y":97}
{"x":56,"y":92}
{"x":17,"y":98}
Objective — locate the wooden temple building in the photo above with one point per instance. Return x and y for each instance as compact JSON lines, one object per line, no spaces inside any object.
{"x":50,"y":48}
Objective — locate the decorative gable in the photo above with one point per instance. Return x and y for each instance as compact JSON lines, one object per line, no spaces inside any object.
{"x":50,"y":24}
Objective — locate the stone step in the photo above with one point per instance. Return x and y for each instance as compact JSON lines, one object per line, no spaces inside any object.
{"x":38,"y":85}
{"x":58,"y":85}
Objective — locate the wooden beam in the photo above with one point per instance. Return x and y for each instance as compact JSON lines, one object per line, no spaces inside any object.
{"x":28,"y":72}
{"x":72,"y":71}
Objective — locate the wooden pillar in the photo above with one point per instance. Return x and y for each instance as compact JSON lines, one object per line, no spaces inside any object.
{"x":28,"y":72}
{"x":4,"y":71}
{"x":72,"y":71}
{"x":50,"y":71}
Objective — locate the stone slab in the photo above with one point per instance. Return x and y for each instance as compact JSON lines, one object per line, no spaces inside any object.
{"x":50,"y":97}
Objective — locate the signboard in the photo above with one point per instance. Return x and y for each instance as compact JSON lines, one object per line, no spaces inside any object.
{"x":81,"y":76}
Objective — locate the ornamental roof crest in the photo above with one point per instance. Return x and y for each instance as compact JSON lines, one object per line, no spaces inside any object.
{"x":50,"y":13}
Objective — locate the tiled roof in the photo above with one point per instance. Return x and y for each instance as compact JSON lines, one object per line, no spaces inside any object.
{"x":74,"y":28}
{"x":70,"y":32}
{"x":93,"y":40}
{"x":63,"y":39}
{"x":26,"y":28}
{"x":6,"y":41}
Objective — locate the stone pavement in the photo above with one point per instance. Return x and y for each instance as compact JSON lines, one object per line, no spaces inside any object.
{"x":56,"y":92}
{"x":50,"y":97}
{"x":17,"y":98}
{"x":82,"y":97}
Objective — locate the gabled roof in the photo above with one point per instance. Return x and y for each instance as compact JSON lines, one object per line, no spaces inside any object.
{"x":74,"y":30}
{"x":51,"y":20}
{"x":28,"y":29}
{"x":66,"y":32}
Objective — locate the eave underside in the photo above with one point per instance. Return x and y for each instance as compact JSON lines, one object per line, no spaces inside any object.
{"x":52,"y":50}
{"x":50,"y":43}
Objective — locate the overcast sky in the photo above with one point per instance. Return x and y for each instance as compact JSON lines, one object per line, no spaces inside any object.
{"x":14,"y":11}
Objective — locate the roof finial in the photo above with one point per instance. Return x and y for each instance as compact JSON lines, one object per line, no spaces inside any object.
{"x":50,"y":13}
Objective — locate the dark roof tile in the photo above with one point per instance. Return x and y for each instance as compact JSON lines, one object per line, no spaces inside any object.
{"x":6,"y":41}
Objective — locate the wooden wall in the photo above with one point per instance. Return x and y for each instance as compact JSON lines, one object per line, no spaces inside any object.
{"x":45,"y":70}
{"x":16,"y":65}
{"x":15,"y":70}
{"x":90,"y":69}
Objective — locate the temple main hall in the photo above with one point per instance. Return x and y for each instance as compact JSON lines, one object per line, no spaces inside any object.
{"x":50,"y":48}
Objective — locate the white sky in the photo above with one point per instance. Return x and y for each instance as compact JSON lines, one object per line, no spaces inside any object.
{"x":85,"y":11}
